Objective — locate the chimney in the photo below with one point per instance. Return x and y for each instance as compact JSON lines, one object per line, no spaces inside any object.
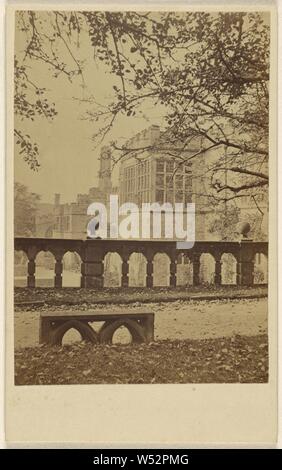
{"x":57,"y":199}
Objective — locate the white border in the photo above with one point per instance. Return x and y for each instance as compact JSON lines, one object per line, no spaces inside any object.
{"x":256,"y":5}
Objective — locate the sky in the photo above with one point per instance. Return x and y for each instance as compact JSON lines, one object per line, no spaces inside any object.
{"x":68,"y":157}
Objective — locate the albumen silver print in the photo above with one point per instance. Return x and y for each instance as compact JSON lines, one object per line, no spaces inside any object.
{"x":143,"y":199}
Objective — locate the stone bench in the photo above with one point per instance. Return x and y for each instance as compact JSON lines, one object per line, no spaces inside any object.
{"x":54,"y":325}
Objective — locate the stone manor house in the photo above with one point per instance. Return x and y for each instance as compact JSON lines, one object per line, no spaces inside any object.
{"x":155,"y":174}
{"x":151,"y":176}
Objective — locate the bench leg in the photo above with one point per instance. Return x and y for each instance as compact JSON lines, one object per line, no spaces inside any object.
{"x":45,"y":327}
{"x":58,"y":331}
{"x":148,"y":326}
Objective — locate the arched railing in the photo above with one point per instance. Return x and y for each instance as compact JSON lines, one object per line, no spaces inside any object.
{"x":93,"y":252}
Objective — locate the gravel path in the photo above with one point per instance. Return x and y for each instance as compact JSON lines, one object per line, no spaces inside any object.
{"x":173,"y":320}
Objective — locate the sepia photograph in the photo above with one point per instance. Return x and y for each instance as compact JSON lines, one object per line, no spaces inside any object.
{"x":141,"y":196}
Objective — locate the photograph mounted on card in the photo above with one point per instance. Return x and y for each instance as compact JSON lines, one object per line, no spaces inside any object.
{"x":142,"y":216}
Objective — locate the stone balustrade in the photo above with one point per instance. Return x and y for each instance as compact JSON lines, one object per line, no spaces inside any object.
{"x":93,"y":252}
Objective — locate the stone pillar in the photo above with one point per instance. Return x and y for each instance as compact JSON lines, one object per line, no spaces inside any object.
{"x":31,"y":273}
{"x":124,"y":271}
{"x":58,"y":272}
{"x":196,"y":269}
{"x":92,"y":267}
{"x":245,"y":264}
{"x":149,"y":273}
{"x":82,"y":277}
{"x":245,"y":273}
{"x":172,"y":269}
{"x":217,"y":276}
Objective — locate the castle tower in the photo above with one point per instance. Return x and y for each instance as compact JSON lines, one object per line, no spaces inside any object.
{"x":105,"y":184}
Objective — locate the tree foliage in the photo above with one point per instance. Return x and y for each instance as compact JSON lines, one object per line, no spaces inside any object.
{"x":208,"y":72}
{"x":25,"y":206}
{"x":224,"y":223}
{"x":29,"y":102}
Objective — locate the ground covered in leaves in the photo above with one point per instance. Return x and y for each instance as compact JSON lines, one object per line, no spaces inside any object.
{"x":75,"y":296}
{"x":222,"y":360}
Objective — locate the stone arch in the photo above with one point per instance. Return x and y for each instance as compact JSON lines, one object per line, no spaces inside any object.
{"x":161,"y":269}
{"x":122,"y":336}
{"x":112,"y":269}
{"x":184,"y":270}
{"x":122,"y":331}
{"x":45,"y":269}
{"x":228,"y":268}
{"x":71,"y":336}
{"x":20,"y":268}
{"x":207,"y":268}
{"x":73,"y":327}
{"x":260,"y":272}
{"x":71,"y":274}
{"x":137,"y":271}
